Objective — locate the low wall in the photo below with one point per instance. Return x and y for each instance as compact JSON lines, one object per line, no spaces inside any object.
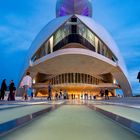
{"x":130,"y":124}
{"x":13,"y":124}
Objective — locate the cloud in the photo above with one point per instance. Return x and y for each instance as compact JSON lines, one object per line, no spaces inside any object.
{"x":133,"y":75}
{"x":20,"y":24}
{"x":128,"y":36}
{"x":121,"y":19}
{"x":14,"y":35}
{"x":134,"y":81}
{"x":17,"y":32}
{"x":18,"y":28}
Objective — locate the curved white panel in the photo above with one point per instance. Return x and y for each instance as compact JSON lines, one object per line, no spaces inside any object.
{"x":52,"y":26}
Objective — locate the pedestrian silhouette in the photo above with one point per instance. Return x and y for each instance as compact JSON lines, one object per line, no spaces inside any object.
{"x":138,"y":77}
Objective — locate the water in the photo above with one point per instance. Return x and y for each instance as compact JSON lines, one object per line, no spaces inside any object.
{"x":10,"y":114}
{"x":72,"y":122}
{"x":126,"y":112}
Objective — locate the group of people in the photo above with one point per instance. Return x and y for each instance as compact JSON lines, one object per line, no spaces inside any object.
{"x":104,"y":93}
{"x":4,"y":88}
{"x":87,"y":96}
{"x":64,"y":95}
{"x":26,"y":84}
{"x":61,"y":95}
{"x":58,"y":95}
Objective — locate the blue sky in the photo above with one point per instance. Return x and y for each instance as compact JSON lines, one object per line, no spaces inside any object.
{"x":21,"y":21}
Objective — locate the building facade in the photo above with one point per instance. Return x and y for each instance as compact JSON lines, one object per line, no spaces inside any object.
{"x":76,"y":54}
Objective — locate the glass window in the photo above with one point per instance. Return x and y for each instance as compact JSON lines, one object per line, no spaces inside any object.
{"x":78,"y":28}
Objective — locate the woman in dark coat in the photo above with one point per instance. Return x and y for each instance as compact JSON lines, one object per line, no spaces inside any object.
{"x":3,"y":89}
{"x":12,"y":89}
{"x":106,"y":94}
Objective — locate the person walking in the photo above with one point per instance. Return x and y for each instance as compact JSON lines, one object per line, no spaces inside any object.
{"x":138,"y":77}
{"x":26,"y":83}
{"x":102,"y":93}
{"x":32,"y":94}
{"x":106,"y":94}
{"x":50,"y":92}
{"x":3,"y":89}
{"x":56,"y":95}
{"x":65,"y":94}
{"x":12,"y":89}
{"x":61,"y":94}
{"x":72,"y":96}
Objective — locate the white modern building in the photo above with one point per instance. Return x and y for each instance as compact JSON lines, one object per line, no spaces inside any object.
{"x":76,"y":54}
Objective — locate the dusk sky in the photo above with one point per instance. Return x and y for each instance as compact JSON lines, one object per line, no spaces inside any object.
{"x":21,"y":21}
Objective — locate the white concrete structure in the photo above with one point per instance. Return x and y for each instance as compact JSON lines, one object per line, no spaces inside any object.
{"x":73,"y":49}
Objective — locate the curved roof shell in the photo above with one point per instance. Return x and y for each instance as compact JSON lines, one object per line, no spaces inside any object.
{"x":55,"y":24}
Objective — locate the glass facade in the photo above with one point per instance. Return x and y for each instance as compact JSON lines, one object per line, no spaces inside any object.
{"x":72,"y":78}
{"x":74,"y":31}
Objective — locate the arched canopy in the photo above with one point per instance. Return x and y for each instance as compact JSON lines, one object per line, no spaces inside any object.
{"x":55,"y":24}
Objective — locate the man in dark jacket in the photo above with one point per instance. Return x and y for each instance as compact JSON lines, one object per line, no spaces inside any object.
{"x":3,"y":89}
{"x":106,"y":94}
{"x":138,"y":77}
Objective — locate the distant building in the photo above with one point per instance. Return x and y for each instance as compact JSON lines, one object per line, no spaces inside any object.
{"x":76,"y":54}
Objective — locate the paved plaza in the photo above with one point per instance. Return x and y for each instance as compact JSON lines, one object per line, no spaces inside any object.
{"x":74,"y":117}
